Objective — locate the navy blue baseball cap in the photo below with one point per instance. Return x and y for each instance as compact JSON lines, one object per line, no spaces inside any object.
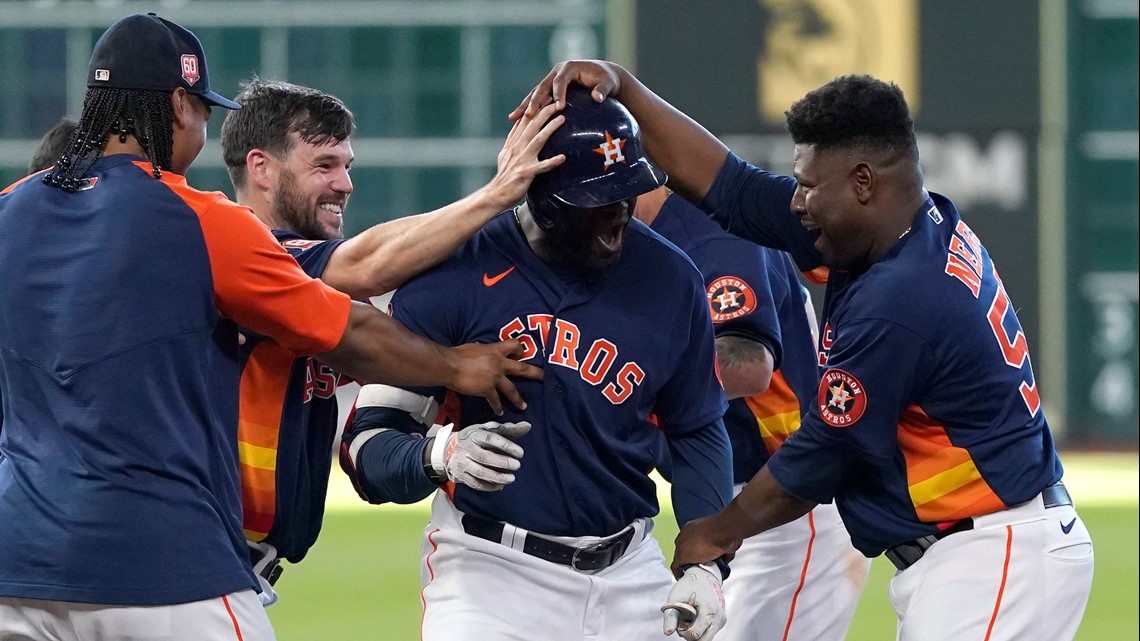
{"x":149,"y":52}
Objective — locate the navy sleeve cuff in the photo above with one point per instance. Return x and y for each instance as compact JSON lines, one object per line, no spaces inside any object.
{"x":390,"y":469}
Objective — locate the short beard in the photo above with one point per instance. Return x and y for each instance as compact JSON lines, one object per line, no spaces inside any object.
{"x":295,"y":210}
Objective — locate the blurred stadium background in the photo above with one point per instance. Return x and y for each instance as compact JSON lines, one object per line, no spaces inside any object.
{"x":1027,"y":113}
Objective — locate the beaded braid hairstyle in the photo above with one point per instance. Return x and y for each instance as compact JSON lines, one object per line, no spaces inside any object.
{"x":144,"y":114}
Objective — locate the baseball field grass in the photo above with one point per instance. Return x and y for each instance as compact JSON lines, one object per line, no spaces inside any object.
{"x":361,"y":581}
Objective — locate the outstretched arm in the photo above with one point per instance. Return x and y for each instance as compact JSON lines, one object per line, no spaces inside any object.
{"x":760,"y":506}
{"x":376,"y":349}
{"x":678,"y":144}
{"x":387,"y":255}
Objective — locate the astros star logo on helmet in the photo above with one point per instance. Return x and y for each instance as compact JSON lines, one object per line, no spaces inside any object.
{"x":611,"y":149}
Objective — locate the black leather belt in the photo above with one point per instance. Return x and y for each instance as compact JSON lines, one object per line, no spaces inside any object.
{"x":907,"y":554}
{"x":271,"y":571}
{"x":585,"y":559}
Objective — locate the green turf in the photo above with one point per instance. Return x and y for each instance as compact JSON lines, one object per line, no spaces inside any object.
{"x":361,"y":581}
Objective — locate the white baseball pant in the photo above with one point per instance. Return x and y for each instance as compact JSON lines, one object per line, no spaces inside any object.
{"x":476,"y":590}
{"x":1022,"y":573}
{"x":798,"y":582}
{"x":238,"y":616}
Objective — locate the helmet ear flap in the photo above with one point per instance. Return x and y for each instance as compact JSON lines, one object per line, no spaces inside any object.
{"x":548,"y":213}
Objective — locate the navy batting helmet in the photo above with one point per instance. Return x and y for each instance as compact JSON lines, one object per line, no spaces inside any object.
{"x":605,"y":162}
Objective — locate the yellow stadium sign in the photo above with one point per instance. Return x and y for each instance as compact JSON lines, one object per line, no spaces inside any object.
{"x":809,"y":42}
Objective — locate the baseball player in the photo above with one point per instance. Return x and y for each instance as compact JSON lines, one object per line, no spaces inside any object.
{"x":119,"y":311}
{"x":289,"y":152}
{"x":802,"y":580}
{"x":927,"y":430}
{"x":556,"y":544}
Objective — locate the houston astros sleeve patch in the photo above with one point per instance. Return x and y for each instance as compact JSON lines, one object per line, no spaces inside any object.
{"x":842,"y":399}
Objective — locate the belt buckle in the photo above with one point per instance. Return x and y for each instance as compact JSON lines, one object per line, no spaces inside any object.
{"x":604,"y":546}
{"x":574,"y":560}
{"x":600,"y":547}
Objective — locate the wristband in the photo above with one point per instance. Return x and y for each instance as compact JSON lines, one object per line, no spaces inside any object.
{"x":438,"y":449}
{"x":718,"y":568}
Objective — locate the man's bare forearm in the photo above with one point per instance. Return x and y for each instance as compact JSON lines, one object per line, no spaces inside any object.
{"x":688,"y":152}
{"x":386,"y":256}
{"x":376,"y":349}
{"x":760,"y":506}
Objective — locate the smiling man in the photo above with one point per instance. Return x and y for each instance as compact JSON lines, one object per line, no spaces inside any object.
{"x":289,"y":152}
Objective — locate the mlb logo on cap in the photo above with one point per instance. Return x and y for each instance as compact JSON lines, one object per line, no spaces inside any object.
{"x":150,"y":53}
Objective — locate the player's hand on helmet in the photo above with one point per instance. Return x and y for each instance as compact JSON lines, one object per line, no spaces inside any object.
{"x":695,"y":609}
{"x":604,"y":78}
{"x":483,"y":456}
{"x":482,"y":370}
{"x":518,"y":161}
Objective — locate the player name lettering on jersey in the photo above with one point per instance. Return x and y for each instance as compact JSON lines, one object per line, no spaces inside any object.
{"x":964,"y":258}
{"x":594,"y":366}
{"x":300,"y":243}
{"x":321,"y":380}
{"x":826,"y":340}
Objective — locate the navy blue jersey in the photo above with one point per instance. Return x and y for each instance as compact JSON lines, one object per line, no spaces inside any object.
{"x":119,"y":378}
{"x":288,"y":420}
{"x":927,"y":411}
{"x":753,"y":292}
{"x":632,"y":340}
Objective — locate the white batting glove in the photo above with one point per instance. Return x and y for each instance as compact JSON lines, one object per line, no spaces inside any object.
{"x":481,"y":456}
{"x":695,"y":610}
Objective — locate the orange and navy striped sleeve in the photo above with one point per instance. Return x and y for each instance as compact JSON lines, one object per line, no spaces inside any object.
{"x":257,"y":283}
{"x":777,"y":412}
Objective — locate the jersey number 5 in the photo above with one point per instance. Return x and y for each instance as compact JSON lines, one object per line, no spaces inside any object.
{"x":964,"y":262}
{"x":1015,"y":350}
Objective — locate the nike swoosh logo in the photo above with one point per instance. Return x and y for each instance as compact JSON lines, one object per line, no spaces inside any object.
{"x":1068,"y":528}
{"x":490,"y":281}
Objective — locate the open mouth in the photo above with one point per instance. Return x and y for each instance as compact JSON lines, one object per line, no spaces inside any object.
{"x":330,"y":213}
{"x":610,"y":237}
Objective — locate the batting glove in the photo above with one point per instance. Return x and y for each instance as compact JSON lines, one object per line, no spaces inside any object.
{"x":695,"y":610}
{"x":481,"y":456}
